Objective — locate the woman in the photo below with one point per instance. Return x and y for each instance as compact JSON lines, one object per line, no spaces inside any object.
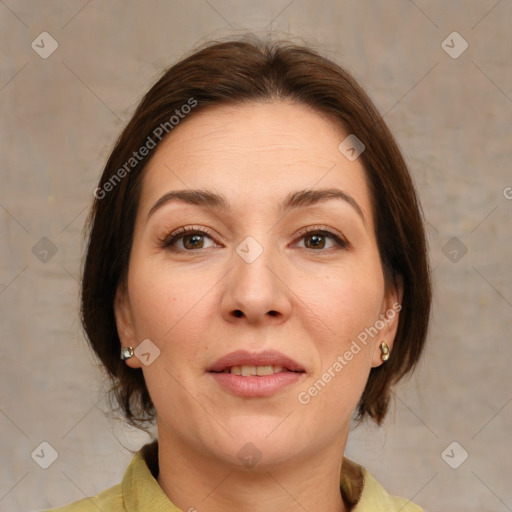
{"x":256,"y":274}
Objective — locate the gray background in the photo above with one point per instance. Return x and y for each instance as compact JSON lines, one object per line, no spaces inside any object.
{"x":452,"y":117}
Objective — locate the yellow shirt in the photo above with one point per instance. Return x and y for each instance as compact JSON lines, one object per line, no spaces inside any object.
{"x":139,"y":491}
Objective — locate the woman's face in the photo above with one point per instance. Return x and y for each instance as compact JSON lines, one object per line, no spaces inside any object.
{"x":247,"y":290}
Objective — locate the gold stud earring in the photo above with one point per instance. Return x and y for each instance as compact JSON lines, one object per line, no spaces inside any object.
{"x":384,"y":350}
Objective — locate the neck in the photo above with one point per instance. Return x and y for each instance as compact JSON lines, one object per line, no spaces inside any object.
{"x":195,"y":482}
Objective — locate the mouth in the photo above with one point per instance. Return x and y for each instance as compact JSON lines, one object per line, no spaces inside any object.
{"x":260,"y":371}
{"x":260,"y":364}
{"x":255,"y":375}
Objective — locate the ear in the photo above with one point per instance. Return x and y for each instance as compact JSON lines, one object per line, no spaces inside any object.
{"x":388,"y":320}
{"x":124,"y":323}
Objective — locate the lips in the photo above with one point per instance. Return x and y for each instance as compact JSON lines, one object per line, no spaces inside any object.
{"x":255,"y":375}
{"x":242,"y":362}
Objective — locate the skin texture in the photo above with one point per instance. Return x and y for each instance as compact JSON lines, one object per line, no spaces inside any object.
{"x":308,"y":302}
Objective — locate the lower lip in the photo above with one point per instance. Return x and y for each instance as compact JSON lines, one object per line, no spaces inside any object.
{"x":265,"y":385}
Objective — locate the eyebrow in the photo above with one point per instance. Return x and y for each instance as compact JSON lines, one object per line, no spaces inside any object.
{"x":298,"y":199}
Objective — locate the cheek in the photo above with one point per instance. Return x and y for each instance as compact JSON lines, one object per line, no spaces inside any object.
{"x":344,"y":308}
{"x":345,"y":302}
{"x":168,"y":305}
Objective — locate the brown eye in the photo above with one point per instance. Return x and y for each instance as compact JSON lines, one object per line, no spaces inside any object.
{"x":193,"y":241}
{"x":315,"y":239}
{"x":185,"y":239}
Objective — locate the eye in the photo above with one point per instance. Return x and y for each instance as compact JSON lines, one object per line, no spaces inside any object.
{"x":315,"y":238}
{"x":190,"y":238}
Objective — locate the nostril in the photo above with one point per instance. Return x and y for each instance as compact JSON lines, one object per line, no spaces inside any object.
{"x":238,"y":313}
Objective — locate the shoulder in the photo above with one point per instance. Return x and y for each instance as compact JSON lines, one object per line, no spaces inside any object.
{"x":110,"y":499}
{"x":137,"y":487}
{"x":368,"y":495}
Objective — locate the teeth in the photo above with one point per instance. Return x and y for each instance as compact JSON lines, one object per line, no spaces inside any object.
{"x":264,"y":370}
{"x":249,"y":371}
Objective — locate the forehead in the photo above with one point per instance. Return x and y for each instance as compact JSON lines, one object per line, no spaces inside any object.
{"x":254,"y":154}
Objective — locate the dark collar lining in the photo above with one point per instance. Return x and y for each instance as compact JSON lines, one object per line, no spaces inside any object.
{"x":150,"y":454}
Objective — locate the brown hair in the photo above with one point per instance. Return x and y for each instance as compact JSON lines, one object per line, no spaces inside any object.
{"x":235,"y":72}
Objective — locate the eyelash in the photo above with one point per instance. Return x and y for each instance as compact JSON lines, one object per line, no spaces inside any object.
{"x":168,"y":240}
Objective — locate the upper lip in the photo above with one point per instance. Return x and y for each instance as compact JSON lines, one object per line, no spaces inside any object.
{"x":265,"y":358}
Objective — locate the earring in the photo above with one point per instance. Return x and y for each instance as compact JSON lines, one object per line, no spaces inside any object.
{"x":126,"y":353}
{"x":384,"y":350}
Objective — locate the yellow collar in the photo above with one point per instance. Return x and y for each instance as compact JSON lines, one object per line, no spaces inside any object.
{"x":359,"y":489}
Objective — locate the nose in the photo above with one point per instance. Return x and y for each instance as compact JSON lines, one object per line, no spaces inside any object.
{"x":256,"y":290}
